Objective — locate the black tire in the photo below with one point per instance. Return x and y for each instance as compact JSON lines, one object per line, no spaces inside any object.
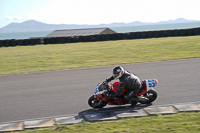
{"x":94,"y":103}
{"x":151,"y":95}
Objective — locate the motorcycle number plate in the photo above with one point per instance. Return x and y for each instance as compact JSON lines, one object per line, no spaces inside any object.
{"x":96,"y":90}
{"x":151,"y":83}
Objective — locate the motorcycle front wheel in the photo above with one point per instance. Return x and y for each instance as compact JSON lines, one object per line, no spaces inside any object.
{"x":95,"y":103}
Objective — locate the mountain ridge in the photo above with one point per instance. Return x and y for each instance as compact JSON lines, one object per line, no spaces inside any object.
{"x":33,"y":25}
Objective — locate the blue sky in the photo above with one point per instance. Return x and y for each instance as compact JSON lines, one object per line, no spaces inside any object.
{"x":97,"y":11}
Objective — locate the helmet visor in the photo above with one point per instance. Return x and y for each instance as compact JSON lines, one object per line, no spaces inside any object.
{"x":115,"y":74}
{"x":118,"y":72}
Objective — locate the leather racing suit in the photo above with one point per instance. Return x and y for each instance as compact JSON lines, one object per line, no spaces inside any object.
{"x":129,"y":81}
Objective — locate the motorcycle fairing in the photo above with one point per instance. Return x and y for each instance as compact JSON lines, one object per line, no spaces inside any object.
{"x":146,"y":85}
{"x":115,"y":101}
{"x":99,"y":94}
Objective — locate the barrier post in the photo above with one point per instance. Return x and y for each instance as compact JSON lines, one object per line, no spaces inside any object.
{"x":84,"y":38}
{"x":46,"y":40}
{"x":101,"y":37}
{"x":182,"y":32}
{"x":20,"y":42}
{"x":121,"y":36}
{"x":32,"y":42}
{"x":26,"y":42}
{"x":137,"y":35}
{"x":91,"y":39}
{"x":7,"y":43}
{"x":97,"y":37}
{"x":197,"y":31}
{"x":131,"y":35}
{"x":176,"y":32}
{"x":143,"y":35}
{"x":125,"y":36}
{"x":1,"y":43}
{"x":113,"y":36}
{"x":169,"y":33}
{"x":37,"y":41}
{"x":149,"y":34}
{"x":78,"y":39}
{"x":50,"y":40}
{"x":161,"y":34}
{"x":13,"y":42}
{"x":107,"y":37}
{"x":58,"y":40}
{"x":67,"y":39}
{"x":73,"y":39}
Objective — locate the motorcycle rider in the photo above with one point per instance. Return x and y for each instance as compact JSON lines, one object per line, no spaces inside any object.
{"x":127,"y":80}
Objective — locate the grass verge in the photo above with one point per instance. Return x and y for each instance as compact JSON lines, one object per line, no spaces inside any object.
{"x":176,"y":123}
{"x":22,"y":59}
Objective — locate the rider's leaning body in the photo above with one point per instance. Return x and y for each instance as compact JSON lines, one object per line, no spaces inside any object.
{"x":126,"y":80}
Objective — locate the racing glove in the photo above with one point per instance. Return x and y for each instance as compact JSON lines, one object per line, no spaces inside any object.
{"x":105,"y":82}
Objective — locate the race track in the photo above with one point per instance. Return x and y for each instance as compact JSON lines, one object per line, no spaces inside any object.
{"x":55,"y":93}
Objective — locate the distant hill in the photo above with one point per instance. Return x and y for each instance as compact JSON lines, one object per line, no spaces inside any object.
{"x":32,"y":25}
{"x":179,"y":20}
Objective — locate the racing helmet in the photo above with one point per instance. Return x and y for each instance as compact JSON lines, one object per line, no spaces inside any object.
{"x":118,"y":72}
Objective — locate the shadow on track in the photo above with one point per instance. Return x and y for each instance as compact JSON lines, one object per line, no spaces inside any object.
{"x":115,"y":108}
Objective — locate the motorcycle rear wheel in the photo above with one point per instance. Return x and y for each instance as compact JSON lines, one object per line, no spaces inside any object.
{"x":151,"y":95}
{"x":95,"y":103}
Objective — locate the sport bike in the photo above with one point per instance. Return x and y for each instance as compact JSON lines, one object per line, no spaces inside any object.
{"x":102,"y":92}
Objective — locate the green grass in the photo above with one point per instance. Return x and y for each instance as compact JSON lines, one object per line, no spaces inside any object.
{"x":176,"y":123}
{"x":22,"y":59}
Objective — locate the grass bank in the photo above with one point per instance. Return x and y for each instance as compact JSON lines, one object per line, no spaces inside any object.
{"x":176,"y":123}
{"x":22,"y":59}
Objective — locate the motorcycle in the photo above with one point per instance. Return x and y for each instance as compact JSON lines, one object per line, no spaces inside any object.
{"x":102,"y":91}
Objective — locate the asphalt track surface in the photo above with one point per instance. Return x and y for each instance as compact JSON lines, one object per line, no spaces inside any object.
{"x":64,"y":92}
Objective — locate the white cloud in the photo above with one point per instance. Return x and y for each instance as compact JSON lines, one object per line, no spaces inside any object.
{"x":27,"y":16}
{"x":106,"y":11}
{"x":109,"y":11}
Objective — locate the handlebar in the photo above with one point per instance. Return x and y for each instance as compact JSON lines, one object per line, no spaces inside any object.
{"x":107,"y":86}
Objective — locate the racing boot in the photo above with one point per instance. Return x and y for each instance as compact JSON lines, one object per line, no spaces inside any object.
{"x":134,"y":101}
{"x":143,"y":100}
